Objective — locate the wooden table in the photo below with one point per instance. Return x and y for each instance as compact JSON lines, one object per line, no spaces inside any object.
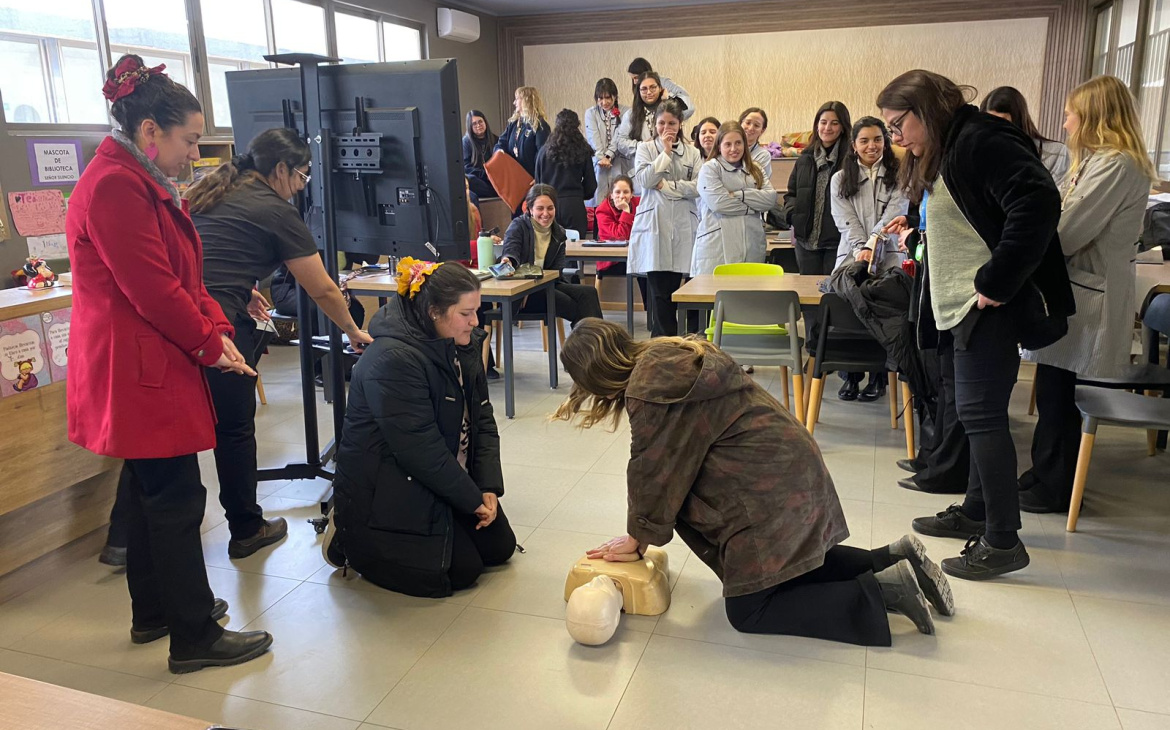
{"x":618,"y":254}
{"x":699,"y":293}
{"x":30,"y":705}
{"x":507,"y":293}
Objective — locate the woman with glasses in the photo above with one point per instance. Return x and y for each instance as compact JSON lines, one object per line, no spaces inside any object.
{"x":638,"y":121}
{"x":995,"y":280}
{"x":249,"y":228}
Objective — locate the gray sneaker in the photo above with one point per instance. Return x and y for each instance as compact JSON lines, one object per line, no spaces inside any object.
{"x":930,"y":578}
{"x":901,"y":594}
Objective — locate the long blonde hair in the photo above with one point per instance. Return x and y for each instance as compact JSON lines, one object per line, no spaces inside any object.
{"x":531,"y":109}
{"x":748,"y":161}
{"x":600,"y":356}
{"x":1108,"y":121}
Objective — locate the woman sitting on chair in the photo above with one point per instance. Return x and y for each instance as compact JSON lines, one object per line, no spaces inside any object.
{"x":416,"y":500}
{"x":536,"y":237}
{"x":717,"y":459}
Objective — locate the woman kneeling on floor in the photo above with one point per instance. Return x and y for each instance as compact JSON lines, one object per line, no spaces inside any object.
{"x":718,"y":460}
{"x":416,"y":495}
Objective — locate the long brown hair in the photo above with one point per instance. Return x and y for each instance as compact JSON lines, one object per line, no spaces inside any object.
{"x":749,"y":164}
{"x":600,"y":356}
{"x":934,"y":99}
{"x":639,"y":108}
{"x":270,"y":148}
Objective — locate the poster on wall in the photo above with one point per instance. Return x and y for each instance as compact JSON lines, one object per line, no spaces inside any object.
{"x":55,"y":325}
{"x":38,"y":212}
{"x":5,"y":230}
{"x":52,"y":246}
{"x":55,"y":161}
{"x":24,"y":363}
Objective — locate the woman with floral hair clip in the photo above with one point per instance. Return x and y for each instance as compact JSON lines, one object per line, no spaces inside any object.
{"x":416,"y":495}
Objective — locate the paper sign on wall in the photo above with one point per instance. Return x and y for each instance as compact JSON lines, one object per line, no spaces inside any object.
{"x":56,"y":329}
{"x":55,"y":161}
{"x":38,"y":212}
{"x":24,"y":363}
{"x":52,"y":246}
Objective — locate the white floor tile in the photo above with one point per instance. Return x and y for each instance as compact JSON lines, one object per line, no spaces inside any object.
{"x":1135,"y":720}
{"x":116,"y":685}
{"x":296,"y":557}
{"x":242,"y":713}
{"x":1131,"y":642}
{"x":532,"y":492}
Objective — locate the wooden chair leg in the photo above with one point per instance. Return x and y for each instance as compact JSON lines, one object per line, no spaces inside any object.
{"x":908,"y":410}
{"x":1082,"y":473}
{"x":893,"y":391}
{"x":544,"y":335}
{"x":814,"y":405}
{"x":561,"y":332}
{"x":784,"y":387}
{"x":801,"y":396}
{"x":1151,"y":443}
{"x":1032,"y":401}
{"x":264,"y":398}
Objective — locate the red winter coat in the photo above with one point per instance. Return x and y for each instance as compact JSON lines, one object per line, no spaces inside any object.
{"x":143,"y":327}
{"x":614,"y":225}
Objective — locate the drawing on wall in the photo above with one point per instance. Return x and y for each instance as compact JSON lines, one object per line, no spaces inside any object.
{"x":38,"y":212}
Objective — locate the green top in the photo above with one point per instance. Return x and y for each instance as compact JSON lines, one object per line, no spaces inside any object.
{"x":956,"y":254}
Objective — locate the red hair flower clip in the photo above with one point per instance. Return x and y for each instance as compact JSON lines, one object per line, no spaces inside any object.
{"x":127,"y":76}
{"x":411,"y":275}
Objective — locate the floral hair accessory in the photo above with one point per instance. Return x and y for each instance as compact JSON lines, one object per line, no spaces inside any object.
{"x":127,"y":76}
{"x":411,"y":275}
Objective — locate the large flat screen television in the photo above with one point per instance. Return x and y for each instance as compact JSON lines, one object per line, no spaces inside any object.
{"x":395,"y":193}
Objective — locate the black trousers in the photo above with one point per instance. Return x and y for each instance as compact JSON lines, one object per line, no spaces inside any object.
{"x":985,"y":373}
{"x":164,"y":557}
{"x":662,"y":311}
{"x":480,"y":186}
{"x":947,"y":457}
{"x":839,"y":601}
{"x":472,"y":550}
{"x":575,"y":302}
{"x":1057,"y":438}
{"x":234,"y":397}
{"x":816,"y":261}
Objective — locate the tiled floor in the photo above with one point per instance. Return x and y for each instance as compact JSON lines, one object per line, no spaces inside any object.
{"x":1078,"y":640}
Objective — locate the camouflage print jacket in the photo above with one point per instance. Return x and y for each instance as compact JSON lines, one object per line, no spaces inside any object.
{"x":719,"y":460}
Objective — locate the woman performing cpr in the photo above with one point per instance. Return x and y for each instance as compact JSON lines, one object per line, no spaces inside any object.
{"x":718,"y":460}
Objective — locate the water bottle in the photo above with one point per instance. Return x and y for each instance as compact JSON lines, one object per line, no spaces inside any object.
{"x":483,"y":246}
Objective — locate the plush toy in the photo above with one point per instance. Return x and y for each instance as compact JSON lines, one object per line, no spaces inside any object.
{"x":35,"y":274}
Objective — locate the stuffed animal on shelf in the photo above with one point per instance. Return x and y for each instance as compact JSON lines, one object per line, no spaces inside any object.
{"x":35,"y":274}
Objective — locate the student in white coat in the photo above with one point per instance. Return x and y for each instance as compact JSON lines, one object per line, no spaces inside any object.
{"x":735,"y":192}
{"x":663,"y":234}
{"x":755,"y":122}
{"x":638,"y":123}
{"x":1101,"y":217}
{"x":865,"y":198}
{"x":601,"y":125}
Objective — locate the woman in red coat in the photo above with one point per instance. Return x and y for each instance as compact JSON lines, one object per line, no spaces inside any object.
{"x":144,"y":328}
{"x":615,"y":217}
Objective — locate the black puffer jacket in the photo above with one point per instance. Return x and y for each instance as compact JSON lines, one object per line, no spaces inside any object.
{"x":520,"y":244}
{"x":398,"y":475}
{"x":801,"y":198}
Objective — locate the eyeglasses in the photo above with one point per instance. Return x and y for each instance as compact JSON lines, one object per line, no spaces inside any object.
{"x":896,"y":125}
{"x":649,"y":89}
{"x":304,"y":176}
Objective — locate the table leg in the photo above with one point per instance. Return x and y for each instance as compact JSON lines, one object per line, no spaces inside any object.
{"x":630,"y":303}
{"x":550,"y":292}
{"x":509,"y":371}
{"x":681,"y":309}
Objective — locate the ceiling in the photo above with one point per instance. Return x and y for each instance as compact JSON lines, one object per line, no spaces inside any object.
{"x":545,"y":7}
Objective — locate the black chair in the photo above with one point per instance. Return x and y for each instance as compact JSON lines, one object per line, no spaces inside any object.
{"x":845,"y":345}
{"x":785,"y":257}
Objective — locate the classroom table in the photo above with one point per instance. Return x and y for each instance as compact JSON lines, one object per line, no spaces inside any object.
{"x":507,"y":293}
{"x":30,"y":705}
{"x":699,"y":293}
{"x":578,"y":251}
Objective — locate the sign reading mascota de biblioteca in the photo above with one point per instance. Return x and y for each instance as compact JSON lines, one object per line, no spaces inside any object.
{"x":55,"y":161}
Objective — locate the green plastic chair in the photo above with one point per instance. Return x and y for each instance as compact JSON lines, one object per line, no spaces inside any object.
{"x":746,"y":269}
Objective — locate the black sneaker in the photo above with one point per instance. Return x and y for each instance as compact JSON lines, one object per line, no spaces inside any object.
{"x":1031,"y":501}
{"x":930,"y":578}
{"x":980,"y":561}
{"x":948,"y":523}
{"x":219,"y":609}
{"x":331,"y":548}
{"x":874,"y":389}
{"x":272,"y":531}
{"x":901,"y":594}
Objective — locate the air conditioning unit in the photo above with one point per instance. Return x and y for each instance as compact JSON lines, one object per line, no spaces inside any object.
{"x":456,"y":25}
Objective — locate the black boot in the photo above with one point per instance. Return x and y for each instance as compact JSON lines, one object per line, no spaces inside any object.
{"x":874,"y":389}
{"x":848,"y":390}
{"x":234,"y":647}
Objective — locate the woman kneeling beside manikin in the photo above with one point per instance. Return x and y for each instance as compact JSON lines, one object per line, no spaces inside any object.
{"x":717,"y":459}
{"x":416,"y":495}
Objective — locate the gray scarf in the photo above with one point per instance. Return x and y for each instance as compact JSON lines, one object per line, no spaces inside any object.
{"x":826,"y":163}
{"x":128,"y":144}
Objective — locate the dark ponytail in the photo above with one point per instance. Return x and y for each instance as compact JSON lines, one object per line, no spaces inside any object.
{"x":441,"y":291}
{"x":270,"y":148}
{"x":153,"y":96}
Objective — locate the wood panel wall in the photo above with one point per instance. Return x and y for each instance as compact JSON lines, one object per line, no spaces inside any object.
{"x":1065,"y":63}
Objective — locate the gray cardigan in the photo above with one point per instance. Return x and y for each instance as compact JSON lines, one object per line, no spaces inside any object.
{"x":1099,"y":228}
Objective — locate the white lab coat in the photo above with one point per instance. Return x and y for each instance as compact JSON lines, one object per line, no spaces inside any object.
{"x":626,"y":145}
{"x":763,"y":158}
{"x":731,"y":230}
{"x":866,"y":213}
{"x":601,"y":133}
{"x":663,"y":233}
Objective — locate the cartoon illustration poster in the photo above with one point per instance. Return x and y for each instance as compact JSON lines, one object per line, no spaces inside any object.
{"x":56,"y":328}
{"x":24,"y":363}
